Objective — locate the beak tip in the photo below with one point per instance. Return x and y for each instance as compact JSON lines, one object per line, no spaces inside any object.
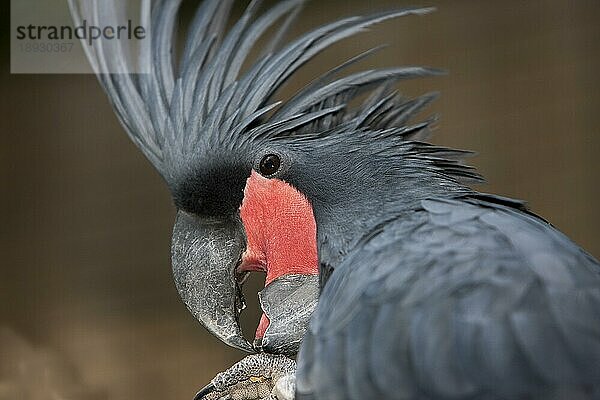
{"x":239,"y":342}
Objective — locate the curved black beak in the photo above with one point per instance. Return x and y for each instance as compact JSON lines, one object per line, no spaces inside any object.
{"x":205,"y":252}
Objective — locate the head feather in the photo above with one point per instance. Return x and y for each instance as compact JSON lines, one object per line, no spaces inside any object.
{"x":201,"y":97}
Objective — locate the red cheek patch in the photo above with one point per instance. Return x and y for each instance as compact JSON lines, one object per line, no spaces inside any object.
{"x":281,"y":232}
{"x":280,"y":228}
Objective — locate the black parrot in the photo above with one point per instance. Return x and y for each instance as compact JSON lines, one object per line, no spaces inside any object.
{"x":426,"y":288}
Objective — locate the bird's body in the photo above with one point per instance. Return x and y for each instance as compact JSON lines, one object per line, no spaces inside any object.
{"x":466,"y":298}
{"x":428,"y":289}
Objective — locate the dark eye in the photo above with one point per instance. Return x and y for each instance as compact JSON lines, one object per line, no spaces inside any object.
{"x":269,"y":164}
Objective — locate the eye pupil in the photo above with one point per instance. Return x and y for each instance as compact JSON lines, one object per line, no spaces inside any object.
{"x":269,"y":164}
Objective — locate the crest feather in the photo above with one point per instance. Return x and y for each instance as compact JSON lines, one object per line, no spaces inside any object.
{"x":201,"y":98}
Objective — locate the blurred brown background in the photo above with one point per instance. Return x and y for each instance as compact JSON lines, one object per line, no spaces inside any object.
{"x":88,"y":309}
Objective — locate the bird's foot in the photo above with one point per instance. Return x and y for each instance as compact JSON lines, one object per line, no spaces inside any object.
{"x":256,"y":377}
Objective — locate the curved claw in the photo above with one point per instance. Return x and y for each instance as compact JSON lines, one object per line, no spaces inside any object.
{"x":254,"y":377}
{"x":206,"y":390}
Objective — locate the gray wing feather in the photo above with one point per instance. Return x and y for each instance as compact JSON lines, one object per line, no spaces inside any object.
{"x":462,"y":299}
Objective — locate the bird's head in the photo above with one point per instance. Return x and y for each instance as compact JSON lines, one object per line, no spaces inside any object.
{"x":284,"y":205}
{"x":237,"y":214}
{"x":282,"y":188}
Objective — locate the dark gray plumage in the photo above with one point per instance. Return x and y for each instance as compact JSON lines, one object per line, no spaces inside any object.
{"x":176,"y":115}
{"x":430,"y":289}
{"x":465,"y":298}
